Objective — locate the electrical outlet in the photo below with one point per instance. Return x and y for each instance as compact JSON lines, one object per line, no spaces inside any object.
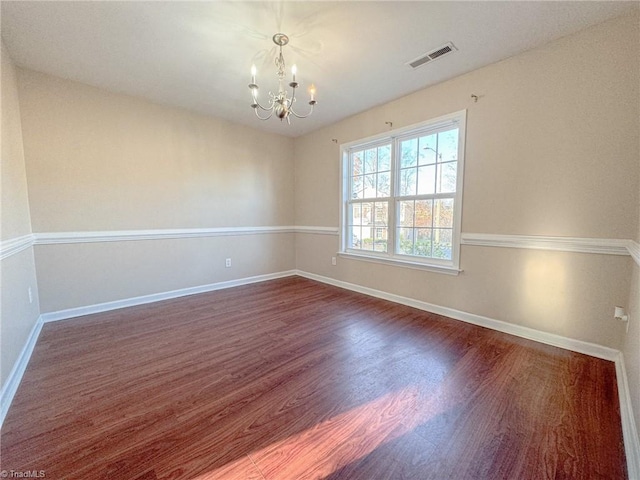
{"x":227,"y":263}
{"x":30,"y":295}
{"x":333,"y":261}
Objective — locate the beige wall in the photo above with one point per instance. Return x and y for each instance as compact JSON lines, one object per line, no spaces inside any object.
{"x":100,"y":161}
{"x":17,"y":314}
{"x":96,"y":273}
{"x":552,"y":149}
{"x":16,"y":221}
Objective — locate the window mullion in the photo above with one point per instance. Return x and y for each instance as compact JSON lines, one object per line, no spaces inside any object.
{"x":391,"y":233}
{"x":427,"y":196}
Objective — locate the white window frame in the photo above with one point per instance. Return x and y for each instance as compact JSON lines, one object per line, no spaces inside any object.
{"x":457,"y":119}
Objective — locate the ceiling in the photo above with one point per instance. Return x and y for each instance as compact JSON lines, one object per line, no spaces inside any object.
{"x":198,"y":55}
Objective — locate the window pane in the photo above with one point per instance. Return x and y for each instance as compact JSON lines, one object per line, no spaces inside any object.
{"x":447,"y":177}
{"x":448,"y":145}
{"x":405,"y":241}
{"x":370,"y":186}
{"x":405,"y":214}
{"x":426,"y":180}
{"x":427,"y":148}
{"x":444,"y":213}
{"x":380,"y":240}
{"x":356,"y":214}
{"x":356,"y":163}
{"x":370,"y":161}
{"x":384,"y":184}
{"x":384,"y":158}
{"x":423,"y":242}
{"x":442,"y":241}
{"x":408,"y":153}
{"x":367,"y":213}
{"x":424,"y":213}
{"x":355,"y":236}
{"x":408,"y":181}
{"x":381,"y":214}
{"x":357,"y":187}
{"x":367,"y":238}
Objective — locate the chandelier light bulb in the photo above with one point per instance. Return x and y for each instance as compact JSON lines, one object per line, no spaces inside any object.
{"x":294,"y":70}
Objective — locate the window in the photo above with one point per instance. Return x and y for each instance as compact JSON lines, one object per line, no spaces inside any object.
{"x":402,"y":194}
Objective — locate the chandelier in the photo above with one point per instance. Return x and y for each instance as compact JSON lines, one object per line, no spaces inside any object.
{"x":279,"y":104}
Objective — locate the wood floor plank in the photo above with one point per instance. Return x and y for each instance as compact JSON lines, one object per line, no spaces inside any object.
{"x":292,"y":379}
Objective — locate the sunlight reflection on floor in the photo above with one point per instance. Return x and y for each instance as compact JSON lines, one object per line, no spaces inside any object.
{"x":334,"y":443}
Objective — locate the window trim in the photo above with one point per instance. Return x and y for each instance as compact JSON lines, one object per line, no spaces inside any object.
{"x":393,"y":137}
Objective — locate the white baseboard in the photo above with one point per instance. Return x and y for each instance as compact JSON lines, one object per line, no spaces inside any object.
{"x":10,"y":387}
{"x":629,"y":430}
{"x":157,"y":297}
{"x":525,"y":332}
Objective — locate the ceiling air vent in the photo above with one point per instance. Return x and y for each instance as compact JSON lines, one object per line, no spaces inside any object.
{"x":432,"y":55}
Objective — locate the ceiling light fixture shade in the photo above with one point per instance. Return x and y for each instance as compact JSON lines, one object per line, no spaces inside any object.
{"x":280,"y":104}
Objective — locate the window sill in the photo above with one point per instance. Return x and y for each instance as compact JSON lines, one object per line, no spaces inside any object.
{"x":401,"y":263}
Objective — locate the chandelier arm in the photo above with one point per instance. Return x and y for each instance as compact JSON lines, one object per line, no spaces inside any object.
{"x":292,"y":112}
{"x":266,"y":109}
{"x":263,"y":118}
{"x":257,"y":104}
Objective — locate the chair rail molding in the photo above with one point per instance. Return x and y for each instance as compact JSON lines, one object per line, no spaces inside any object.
{"x":607,"y":246}
{"x":15,"y":245}
{"x":634,"y":251}
{"x":52,"y":238}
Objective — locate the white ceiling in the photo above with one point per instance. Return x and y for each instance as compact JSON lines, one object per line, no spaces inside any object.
{"x":198,"y":55}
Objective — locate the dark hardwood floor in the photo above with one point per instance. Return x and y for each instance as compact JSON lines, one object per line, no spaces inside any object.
{"x":292,"y":379}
